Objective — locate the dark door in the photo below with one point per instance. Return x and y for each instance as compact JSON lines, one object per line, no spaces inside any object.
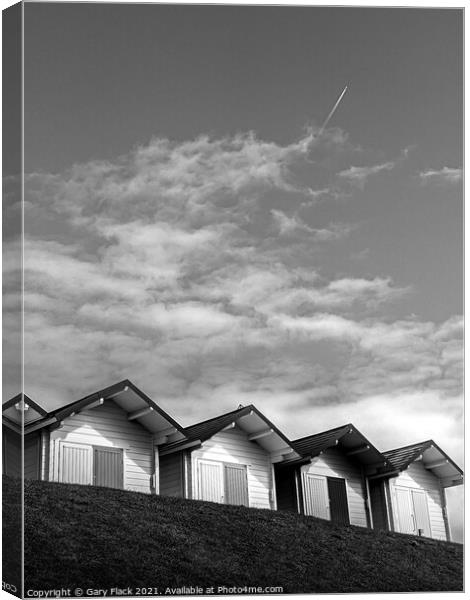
{"x":108,"y":467}
{"x":338,"y":497}
{"x":286,"y":488}
{"x":378,"y":504}
{"x":236,"y":485}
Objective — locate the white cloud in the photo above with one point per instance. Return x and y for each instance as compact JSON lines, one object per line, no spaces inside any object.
{"x":288,"y":225}
{"x":358,"y":176}
{"x":444,"y":175}
{"x":291,"y":225}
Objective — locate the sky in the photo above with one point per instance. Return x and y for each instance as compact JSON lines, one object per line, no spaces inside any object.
{"x":190,"y":227}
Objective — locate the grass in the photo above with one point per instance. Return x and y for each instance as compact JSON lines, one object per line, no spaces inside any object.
{"x":101,"y":538}
{"x":11,"y":533}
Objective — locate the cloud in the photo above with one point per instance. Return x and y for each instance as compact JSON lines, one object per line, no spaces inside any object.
{"x":162,"y":266}
{"x":288,"y":225}
{"x":358,"y":176}
{"x":442,"y":176}
{"x":292,"y":225}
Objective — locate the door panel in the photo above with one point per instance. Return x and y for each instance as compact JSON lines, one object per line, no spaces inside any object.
{"x":316,"y":496}
{"x":420,"y":510}
{"x":210,"y":481}
{"x":404,"y":509}
{"x":108,"y":467}
{"x":339,"y":512}
{"x":236,"y":485}
{"x":75,"y":463}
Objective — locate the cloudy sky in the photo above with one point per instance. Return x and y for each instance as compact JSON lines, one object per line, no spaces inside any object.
{"x":189,"y":227}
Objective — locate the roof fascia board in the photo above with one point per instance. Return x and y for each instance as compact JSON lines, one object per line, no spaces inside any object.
{"x":155,"y":406}
{"x":446,"y":456}
{"x":191,"y":445}
{"x":40,"y":425}
{"x":387,"y":474}
{"x":13,"y":426}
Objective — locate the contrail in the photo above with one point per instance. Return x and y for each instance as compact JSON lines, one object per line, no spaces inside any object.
{"x":332,"y":111}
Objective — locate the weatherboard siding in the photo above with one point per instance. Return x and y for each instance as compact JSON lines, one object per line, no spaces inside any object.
{"x":333,"y":463}
{"x":32,"y":461}
{"x":108,"y":425}
{"x":11,"y":454}
{"x":232,"y":446}
{"x":417,"y":477}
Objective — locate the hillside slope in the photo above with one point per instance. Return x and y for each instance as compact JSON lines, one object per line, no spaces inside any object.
{"x":101,"y":538}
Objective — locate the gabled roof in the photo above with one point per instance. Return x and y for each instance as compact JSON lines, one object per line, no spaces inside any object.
{"x":27,"y":401}
{"x":113,"y":391}
{"x":312,"y":445}
{"x":126,"y":395}
{"x":350,"y":439}
{"x":258,"y":427}
{"x":14,"y":416}
{"x":402,"y":457}
{"x":206,"y":429}
{"x":433,"y":458}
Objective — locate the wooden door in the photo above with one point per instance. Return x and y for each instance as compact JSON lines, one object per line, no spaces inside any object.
{"x":316,"y":496}
{"x":236,"y":485}
{"x":378,"y":504}
{"x":75,"y":463}
{"x":210,"y":481}
{"x":420,"y":512}
{"x":338,"y":498}
{"x":404,"y":510}
{"x":108,"y":469}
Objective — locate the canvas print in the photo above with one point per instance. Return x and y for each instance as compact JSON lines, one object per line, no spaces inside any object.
{"x":232,"y":300}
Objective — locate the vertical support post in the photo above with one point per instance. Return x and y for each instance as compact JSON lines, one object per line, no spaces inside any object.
{"x":388,"y":504}
{"x":55,"y":448}
{"x":273,"y":488}
{"x":367,"y":502}
{"x":44,"y":458}
{"x":156,"y":469}
{"x":298,"y":489}
{"x":442,"y":493}
{"x":186,"y":457}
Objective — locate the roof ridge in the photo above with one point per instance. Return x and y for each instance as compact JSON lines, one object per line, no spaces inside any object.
{"x":231,"y":412}
{"x":97,"y":393}
{"x":322,"y":432}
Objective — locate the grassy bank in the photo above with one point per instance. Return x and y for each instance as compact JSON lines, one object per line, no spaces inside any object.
{"x":99,"y":538}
